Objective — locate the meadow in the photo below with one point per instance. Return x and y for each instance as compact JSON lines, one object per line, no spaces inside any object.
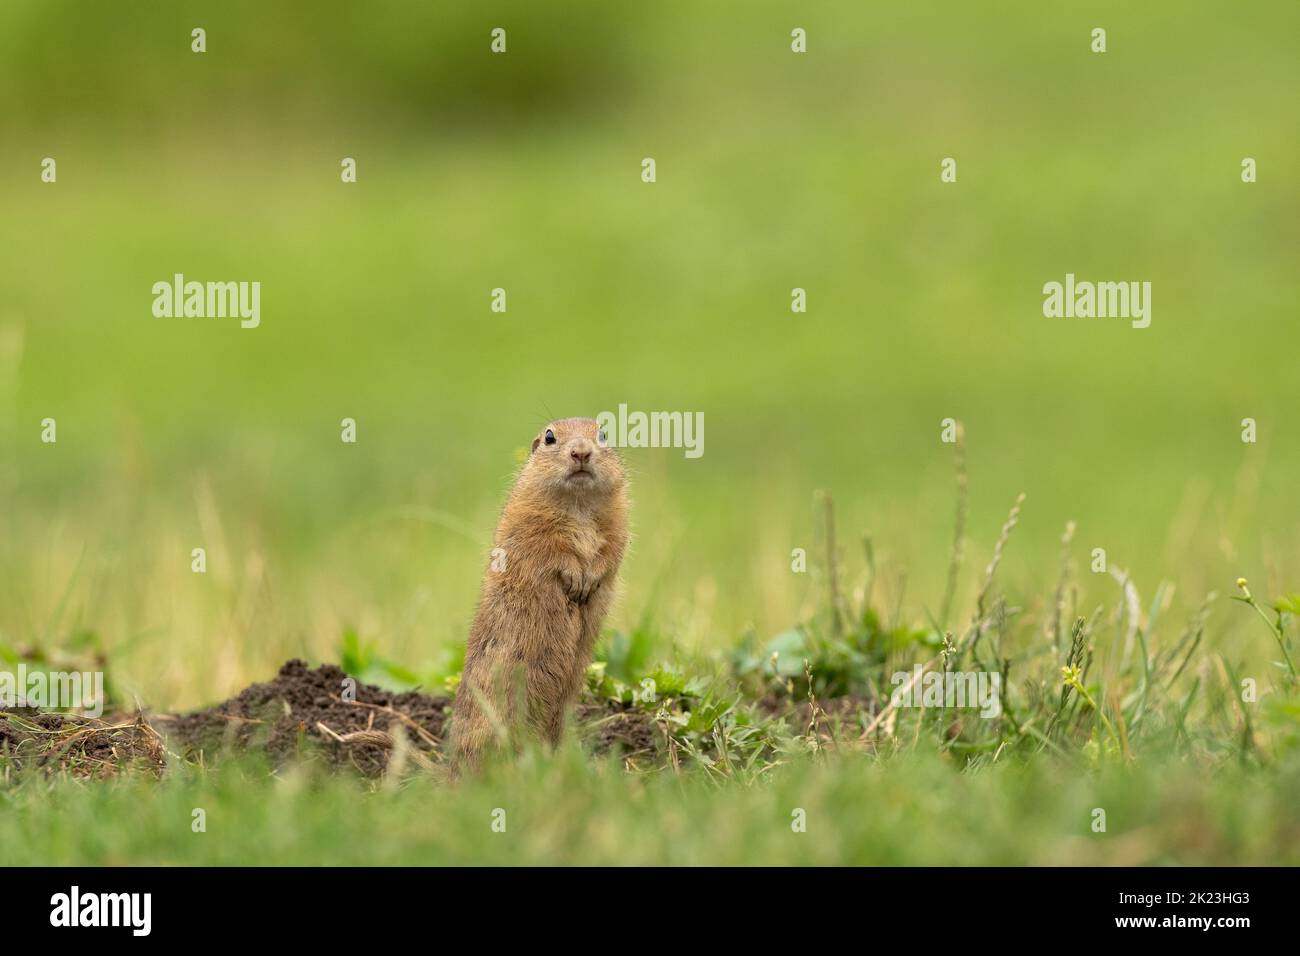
{"x":775,"y":171}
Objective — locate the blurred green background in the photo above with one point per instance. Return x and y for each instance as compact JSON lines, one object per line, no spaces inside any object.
{"x":522,"y":171}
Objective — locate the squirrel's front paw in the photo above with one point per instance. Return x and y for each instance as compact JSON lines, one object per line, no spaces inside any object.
{"x":578,"y":586}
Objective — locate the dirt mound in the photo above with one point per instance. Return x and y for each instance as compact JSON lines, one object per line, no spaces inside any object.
{"x":303,"y":713}
{"x":81,"y":746}
{"x":607,"y":725}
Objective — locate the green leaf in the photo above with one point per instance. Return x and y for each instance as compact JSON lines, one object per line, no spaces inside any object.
{"x":1289,"y":604}
{"x":790,"y":648}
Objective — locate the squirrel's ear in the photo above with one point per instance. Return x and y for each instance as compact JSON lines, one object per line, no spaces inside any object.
{"x":536,"y":442}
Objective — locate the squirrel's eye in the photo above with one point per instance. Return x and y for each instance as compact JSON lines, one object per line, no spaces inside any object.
{"x":601,"y":437}
{"x":550,"y":437}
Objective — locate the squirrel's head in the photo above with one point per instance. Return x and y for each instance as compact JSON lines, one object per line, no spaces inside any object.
{"x":571,"y":459}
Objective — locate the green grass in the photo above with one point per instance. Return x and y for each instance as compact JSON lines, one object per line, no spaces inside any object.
{"x":900,"y":812}
{"x":1121,"y":741}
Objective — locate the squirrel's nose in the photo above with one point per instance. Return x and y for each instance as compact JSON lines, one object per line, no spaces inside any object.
{"x":581,"y":452}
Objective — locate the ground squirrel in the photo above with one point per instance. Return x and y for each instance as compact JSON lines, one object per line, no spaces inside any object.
{"x":546,"y":591}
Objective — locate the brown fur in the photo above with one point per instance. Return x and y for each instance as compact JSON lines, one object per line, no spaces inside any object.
{"x":538,"y":618}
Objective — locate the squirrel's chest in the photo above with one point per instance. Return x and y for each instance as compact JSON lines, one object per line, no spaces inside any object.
{"x":586,"y":541}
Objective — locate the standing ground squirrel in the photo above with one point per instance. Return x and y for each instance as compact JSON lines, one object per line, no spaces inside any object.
{"x":545,"y":593}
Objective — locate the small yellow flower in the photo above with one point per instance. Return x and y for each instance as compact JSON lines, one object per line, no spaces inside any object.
{"x":1241,"y":583}
{"x":1071,"y":676}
